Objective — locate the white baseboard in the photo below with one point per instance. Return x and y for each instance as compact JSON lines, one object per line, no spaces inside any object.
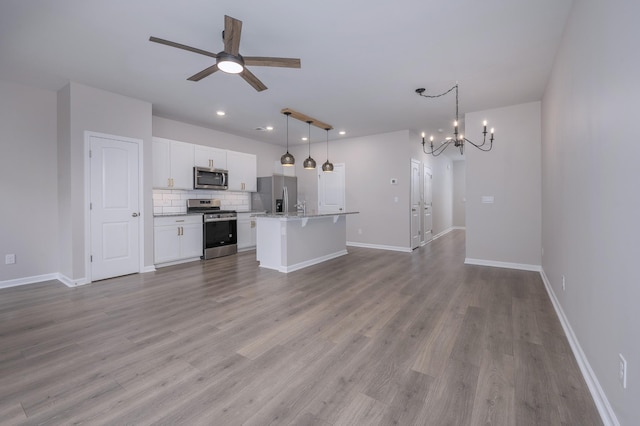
{"x":28,"y":280}
{"x":69,"y":282}
{"x":306,"y":263}
{"x":446,"y":231}
{"x":600,"y":399}
{"x":150,"y":268}
{"x":379,"y":247}
{"x":507,"y":265}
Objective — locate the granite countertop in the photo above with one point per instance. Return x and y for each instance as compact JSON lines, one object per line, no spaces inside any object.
{"x":176,"y":214}
{"x":301,"y":216}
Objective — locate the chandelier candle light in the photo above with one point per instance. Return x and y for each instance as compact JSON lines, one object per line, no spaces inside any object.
{"x":458,"y":140}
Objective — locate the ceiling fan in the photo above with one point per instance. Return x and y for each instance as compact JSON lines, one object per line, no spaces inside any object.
{"x":230,"y":60}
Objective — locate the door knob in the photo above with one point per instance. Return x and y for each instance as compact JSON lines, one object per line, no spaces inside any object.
{"x":135,"y":214}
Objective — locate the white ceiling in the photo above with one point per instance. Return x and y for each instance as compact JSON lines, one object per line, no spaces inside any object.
{"x":361,"y":59}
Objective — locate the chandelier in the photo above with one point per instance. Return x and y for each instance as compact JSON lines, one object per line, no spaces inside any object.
{"x":458,"y":140}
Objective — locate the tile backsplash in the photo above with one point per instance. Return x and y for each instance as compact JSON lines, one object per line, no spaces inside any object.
{"x":174,"y":201}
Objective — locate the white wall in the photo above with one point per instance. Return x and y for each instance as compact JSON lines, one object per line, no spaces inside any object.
{"x":28,"y":181}
{"x":370,"y":163}
{"x":591,"y":201}
{"x":459,"y":193}
{"x":442,"y":186}
{"x":57,"y":125}
{"x":90,"y":109}
{"x":507,"y":231}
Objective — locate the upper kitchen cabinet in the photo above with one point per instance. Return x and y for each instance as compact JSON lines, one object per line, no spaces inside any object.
{"x":212,"y":158}
{"x":172,"y":164}
{"x":242,"y":171}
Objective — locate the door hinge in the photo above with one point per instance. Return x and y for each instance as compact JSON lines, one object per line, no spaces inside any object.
{"x":89,"y":153}
{"x":90,"y":258}
{"x":90,"y":206}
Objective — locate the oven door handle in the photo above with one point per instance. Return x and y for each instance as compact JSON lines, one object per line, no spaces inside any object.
{"x":222,"y":219}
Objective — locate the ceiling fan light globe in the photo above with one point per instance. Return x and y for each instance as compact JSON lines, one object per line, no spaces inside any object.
{"x":309,"y":163}
{"x":229,"y":63}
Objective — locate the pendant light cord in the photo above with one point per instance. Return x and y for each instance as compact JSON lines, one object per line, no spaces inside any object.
{"x":327,"y":144}
{"x":309,"y":138}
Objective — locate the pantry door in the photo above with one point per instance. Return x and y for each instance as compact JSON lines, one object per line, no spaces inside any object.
{"x":114,"y":207}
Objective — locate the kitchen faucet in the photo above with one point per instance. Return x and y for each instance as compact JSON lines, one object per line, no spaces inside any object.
{"x":302,"y":205}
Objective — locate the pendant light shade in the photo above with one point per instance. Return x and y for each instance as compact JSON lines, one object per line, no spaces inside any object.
{"x":309,"y":163}
{"x":327,"y":166}
{"x":287,"y":159}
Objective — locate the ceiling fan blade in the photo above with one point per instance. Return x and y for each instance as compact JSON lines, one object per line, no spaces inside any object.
{"x":182,"y":46}
{"x":232,"y":30}
{"x":205,"y":72}
{"x":252,"y":80}
{"x":265,"y":61}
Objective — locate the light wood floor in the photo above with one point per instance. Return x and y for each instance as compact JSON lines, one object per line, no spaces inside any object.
{"x":371,"y":338}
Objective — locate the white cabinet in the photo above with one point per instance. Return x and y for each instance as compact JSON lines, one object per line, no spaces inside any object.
{"x":246,"y":230}
{"x":172,"y":164}
{"x":213,"y":158}
{"x":177,"y":238}
{"x":242,"y":171}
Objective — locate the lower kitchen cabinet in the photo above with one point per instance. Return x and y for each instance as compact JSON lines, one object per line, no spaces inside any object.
{"x":177,"y":239}
{"x":247,"y":230}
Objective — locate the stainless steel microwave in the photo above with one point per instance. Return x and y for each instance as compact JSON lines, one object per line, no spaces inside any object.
{"x":204,"y":178}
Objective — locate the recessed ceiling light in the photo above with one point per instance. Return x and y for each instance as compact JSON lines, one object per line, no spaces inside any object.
{"x":304,"y":138}
{"x":342,"y":132}
{"x":220,"y":113}
{"x":269,"y":127}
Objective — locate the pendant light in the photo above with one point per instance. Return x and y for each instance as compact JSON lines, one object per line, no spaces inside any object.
{"x":287,"y":159}
{"x":309,"y":163}
{"x":327,"y":166}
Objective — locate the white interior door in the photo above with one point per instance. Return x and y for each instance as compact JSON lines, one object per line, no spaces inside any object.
{"x":331,"y":190}
{"x":428,"y":204}
{"x":416,"y":235}
{"x":115,"y":212}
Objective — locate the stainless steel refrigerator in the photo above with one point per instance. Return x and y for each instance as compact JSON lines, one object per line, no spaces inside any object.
{"x":276,"y":194}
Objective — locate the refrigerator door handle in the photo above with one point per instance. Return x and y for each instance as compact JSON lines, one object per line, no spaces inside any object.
{"x":285,"y":200}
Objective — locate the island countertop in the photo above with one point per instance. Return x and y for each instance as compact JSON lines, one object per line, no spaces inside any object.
{"x":294,"y":216}
{"x":288,"y":242}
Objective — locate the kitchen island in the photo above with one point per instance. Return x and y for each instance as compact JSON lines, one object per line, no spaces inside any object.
{"x":290,"y":242}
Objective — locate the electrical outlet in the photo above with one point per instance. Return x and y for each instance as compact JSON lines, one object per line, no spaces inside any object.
{"x":564,"y":284}
{"x":10,"y":259}
{"x":622,"y":372}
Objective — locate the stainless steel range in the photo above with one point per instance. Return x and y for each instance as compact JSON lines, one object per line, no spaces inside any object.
{"x":220,"y":228}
